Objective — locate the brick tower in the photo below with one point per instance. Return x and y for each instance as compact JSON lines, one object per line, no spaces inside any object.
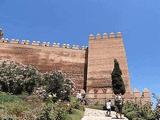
{"x":101,"y":54}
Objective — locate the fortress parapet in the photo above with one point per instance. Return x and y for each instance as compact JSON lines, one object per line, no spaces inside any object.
{"x":3,"y":40}
{"x":105,"y":36}
{"x":64,"y":46}
{"x":46,"y":44}
{"x":136,"y":93}
{"x":68,"y":45}
{"x":146,"y":96}
{"x":84,"y":47}
{"x":25,"y":42}
{"x":56,"y":45}
{"x":75,"y":47}
{"x":142,"y":98}
{"x":36,"y":43}
{"x":14,"y":41}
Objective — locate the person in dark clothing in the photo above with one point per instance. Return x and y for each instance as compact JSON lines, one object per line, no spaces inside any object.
{"x":118,"y":105}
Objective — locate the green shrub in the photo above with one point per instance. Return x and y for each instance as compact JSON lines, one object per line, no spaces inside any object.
{"x":75,"y":104}
{"x":76,"y":115}
{"x":132,"y":114}
{"x":58,"y":86}
{"x":138,"y":112}
{"x":15,"y":108}
{"x":17,"y":78}
{"x":53,"y":111}
{"x":4,"y":116}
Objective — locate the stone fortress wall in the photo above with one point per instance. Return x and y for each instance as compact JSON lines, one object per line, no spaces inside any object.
{"x":90,"y":68}
{"x":68,"y":59}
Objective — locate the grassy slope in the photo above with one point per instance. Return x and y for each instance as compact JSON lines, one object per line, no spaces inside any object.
{"x":15,"y":105}
{"x":77,"y":115}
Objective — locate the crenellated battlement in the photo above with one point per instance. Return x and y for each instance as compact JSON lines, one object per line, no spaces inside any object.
{"x":105,"y":36}
{"x":141,"y":98}
{"x":43,"y":44}
{"x":38,"y":43}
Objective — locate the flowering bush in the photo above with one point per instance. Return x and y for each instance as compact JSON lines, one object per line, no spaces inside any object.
{"x":52,"y":87}
{"x":16,"y":78}
{"x":58,"y":86}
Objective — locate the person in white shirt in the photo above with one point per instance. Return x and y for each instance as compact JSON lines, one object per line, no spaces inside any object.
{"x":108,"y":107}
{"x":79,"y":96}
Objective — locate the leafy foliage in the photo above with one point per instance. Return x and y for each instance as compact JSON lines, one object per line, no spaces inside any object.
{"x":117,"y":81}
{"x":138,"y":112}
{"x":58,"y":86}
{"x":54,"y":111}
{"x":157,"y":110}
{"x":75,"y":104}
{"x":11,"y":106}
{"x":16,"y":78}
{"x":5,"y":97}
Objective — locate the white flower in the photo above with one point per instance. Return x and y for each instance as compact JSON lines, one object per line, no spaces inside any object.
{"x":68,"y":104}
{"x":50,"y":96}
{"x":54,"y":95}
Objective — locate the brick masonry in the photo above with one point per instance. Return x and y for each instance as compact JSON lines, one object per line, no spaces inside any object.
{"x":90,"y":68}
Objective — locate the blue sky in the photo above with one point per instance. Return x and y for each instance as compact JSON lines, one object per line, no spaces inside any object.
{"x":71,"y":21}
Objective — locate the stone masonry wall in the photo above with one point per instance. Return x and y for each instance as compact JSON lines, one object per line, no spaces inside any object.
{"x":90,"y":68}
{"x":101,"y":54}
{"x":45,"y":59}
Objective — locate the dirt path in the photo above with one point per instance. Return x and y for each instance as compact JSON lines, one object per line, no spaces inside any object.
{"x":93,"y":114}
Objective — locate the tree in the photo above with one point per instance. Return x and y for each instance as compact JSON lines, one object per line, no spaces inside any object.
{"x":56,"y":84}
{"x":117,"y":81}
{"x":157,"y":110}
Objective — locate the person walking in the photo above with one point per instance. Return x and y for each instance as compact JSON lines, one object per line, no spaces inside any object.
{"x":118,"y":105}
{"x":79,"y":96}
{"x":108,"y":107}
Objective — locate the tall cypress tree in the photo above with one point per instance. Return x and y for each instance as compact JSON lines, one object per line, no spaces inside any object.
{"x":117,"y":81}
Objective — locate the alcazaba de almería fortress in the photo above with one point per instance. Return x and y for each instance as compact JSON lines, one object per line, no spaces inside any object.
{"x":89,"y":67}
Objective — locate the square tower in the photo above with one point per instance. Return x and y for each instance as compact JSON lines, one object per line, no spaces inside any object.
{"x":101,"y":54}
